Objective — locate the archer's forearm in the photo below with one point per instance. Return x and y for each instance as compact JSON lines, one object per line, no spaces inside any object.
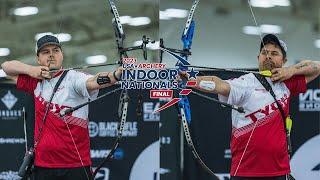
{"x":220,"y":86}
{"x":14,"y":68}
{"x":310,"y":69}
{"x":92,"y":83}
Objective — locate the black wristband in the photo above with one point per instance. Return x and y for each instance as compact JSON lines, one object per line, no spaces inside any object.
{"x":115,"y":77}
{"x":103,"y":79}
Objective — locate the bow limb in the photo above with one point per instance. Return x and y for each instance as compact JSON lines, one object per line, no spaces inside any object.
{"x":124,"y":97}
{"x":184,"y":105}
{"x":123,"y":108}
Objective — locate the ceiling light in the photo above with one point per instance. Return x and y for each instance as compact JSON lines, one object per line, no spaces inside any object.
{"x":152,"y":46}
{"x":269,"y":3}
{"x":281,"y":2}
{"x":40,"y":35}
{"x":137,"y":43}
{"x":139,"y":21}
{"x":251,"y":30}
{"x":25,"y":11}
{"x":4,"y":51}
{"x":63,"y":37}
{"x":317,"y":43}
{"x":164,"y":16}
{"x":173,"y":13}
{"x":125,"y":19}
{"x":97,"y":59}
{"x":269,"y":28}
{"x":261,"y":3}
{"x":264,"y":28}
{"x":176,"y":13}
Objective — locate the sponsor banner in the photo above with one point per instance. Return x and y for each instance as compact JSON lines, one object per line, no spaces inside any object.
{"x":9,"y":174}
{"x":310,"y":100}
{"x":8,"y":111}
{"x":305,"y":163}
{"x":12,"y":137}
{"x":12,"y":140}
{"x":141,"y":130}
{"x":148,"y":111}
{"x":110,"y":129}
{"x":103,"y":153}
{"x":103,"y":174}
{"x":147,"y":164}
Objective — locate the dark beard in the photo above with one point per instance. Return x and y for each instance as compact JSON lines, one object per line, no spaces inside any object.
{"x":268,"y":65}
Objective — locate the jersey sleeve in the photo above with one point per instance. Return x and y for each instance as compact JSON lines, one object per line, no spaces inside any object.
{"x":26,"y":83}
{"x":79,"y":83}
{"x":296,"y":85}
{"x":239,"y":90}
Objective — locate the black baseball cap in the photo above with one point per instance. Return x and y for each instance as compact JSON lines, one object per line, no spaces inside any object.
{"x":271,"y":38}
{"x":47,"y":40}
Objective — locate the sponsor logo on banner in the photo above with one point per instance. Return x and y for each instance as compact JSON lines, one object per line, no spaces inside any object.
{"x":9,"y":100}
{"x":149,"y":111}
{"x":9,"y":175}
{"x":103,"y":173}
{"x":12,"y":141}
{"x":164,"y":171}
{"x":147,"y":164}
{"x":305,"y":163}
{"x":310,"y":101}
{"x":227,"y":153}
{"x":223,"y":176}
{"x":109,"y":129}
{"x":102,"y":153}
{"x":165,"y":140}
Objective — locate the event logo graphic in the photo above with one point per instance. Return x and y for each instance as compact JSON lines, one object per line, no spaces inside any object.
{"x":161,"y":81}
{"x":9,"y":100}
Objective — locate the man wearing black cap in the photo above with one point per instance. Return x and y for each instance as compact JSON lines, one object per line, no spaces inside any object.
{"x":258,"y":143}
{"x":61,"y":147}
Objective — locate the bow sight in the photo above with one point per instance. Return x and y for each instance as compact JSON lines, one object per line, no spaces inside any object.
{"x":183,"y":52}
{"x":120,"y":36}
{"x":145,"y":40}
